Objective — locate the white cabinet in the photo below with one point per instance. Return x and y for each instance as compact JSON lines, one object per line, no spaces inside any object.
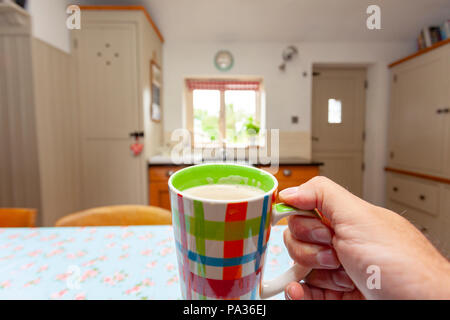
{"x":418,"y":181}
{"x":419,"y":120}
{"x":426,"y":204}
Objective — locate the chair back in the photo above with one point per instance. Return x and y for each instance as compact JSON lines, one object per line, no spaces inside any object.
{"x":17,"y":217}
{"x":125,"y":215}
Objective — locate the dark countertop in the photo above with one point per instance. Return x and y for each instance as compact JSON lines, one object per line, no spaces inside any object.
{"x":283,"y":162}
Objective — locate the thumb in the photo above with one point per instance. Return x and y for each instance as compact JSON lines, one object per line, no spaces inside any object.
{"x":333,"y":201}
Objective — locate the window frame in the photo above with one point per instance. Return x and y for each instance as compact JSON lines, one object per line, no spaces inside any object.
{"x":189,"y":111}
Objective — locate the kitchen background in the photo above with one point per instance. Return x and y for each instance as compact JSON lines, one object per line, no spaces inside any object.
{"x":182,"y":38}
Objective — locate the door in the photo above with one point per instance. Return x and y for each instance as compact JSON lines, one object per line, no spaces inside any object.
{"x":107,"y":66}
{"x":420,"y":90}
{"x":338,"y":124}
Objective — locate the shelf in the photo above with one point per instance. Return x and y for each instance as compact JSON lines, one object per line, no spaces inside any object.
{"x":420,"y":52}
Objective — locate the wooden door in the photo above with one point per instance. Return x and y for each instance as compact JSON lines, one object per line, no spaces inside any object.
{"x":338,"y":124}
{"x":107,"y":66}
{"x":419,"y":89}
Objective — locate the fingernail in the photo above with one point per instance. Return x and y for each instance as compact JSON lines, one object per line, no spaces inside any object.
{"x":288,"y":191}
{"x":327,"y":259}
{"x":322,"y":235}
{"x":288,"y":293}
{"x":342,"y":280}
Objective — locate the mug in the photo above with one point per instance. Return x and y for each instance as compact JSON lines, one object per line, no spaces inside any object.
{"x":221,"y":244}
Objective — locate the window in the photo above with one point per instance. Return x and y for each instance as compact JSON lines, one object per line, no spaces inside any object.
{"x":224,"y":112}
{"x":334,"y":111}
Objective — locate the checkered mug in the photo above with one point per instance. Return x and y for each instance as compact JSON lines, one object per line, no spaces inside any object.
{"x":221,"y":244}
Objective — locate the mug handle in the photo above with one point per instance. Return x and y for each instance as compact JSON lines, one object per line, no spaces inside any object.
{"x":297,"y":272}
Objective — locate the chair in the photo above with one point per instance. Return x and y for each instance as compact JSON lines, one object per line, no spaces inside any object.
{"x":17,"y":217}
{"x":125,"y":215}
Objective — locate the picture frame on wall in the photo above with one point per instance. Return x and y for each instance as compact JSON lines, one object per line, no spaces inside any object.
{"x":156,"y":86}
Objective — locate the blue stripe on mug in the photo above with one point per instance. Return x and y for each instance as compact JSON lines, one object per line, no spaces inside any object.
{"x":220,"y":262}
{"x":261,"y":233}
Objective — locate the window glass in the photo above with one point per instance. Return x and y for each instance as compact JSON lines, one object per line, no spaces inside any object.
{"x":334,"y":111}
{"x":206,"y":105}
{"x":240,"y":112}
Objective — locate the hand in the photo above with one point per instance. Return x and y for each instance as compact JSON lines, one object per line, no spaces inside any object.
{"x":361,"y":235}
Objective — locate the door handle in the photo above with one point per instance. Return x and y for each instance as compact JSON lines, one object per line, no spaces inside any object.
{"x":443,"y":110}
{"x":137,"y":134}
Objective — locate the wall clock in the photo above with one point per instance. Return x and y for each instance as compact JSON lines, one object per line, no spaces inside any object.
{"x":223,"y":60}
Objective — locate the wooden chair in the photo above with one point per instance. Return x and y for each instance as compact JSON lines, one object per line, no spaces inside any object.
{"x":125,"y":215}
{"x":17,"y":217}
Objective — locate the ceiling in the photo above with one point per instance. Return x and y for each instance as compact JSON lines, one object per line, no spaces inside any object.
{"x":288,"y":20}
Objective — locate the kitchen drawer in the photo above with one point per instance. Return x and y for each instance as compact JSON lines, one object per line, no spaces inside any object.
{"x":415,"y":193}
{"x":162,"y":173}
{"x":295,"y":174}
{"x":427,"y":224}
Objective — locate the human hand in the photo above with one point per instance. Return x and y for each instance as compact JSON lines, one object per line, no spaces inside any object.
{"x":361,"y":235}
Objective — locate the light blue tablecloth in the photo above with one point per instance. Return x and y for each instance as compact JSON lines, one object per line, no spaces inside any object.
{"x":101,"y":263}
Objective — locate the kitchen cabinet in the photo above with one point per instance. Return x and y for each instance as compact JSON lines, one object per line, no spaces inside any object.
{"x":425,"y":203}
{"x":287,"y":176}
{"x":418,"y":171}
{"x":292,"y":175}
{"x":419,"y":113}
{"x":158,"y":185}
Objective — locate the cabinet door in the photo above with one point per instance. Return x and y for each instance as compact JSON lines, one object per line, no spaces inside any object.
{"x":159,"y":195}
{"x":447,"y":121}
{"x":417,"y":129}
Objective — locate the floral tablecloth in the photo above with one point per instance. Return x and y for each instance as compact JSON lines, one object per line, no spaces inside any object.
{"x":136,"y":262}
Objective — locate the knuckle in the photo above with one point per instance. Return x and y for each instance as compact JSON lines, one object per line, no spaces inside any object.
{"x":320,"y":180}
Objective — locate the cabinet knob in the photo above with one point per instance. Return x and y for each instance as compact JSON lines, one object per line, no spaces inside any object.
{"x":422,"y":197}
{"x":287,"y":172}
{"x":395,"y":189}
{"x":446,"y":110}
{"x":439,"y":111}
{"x":391,"y":154}
{"x":169,"y":173}
{"x":314,"y":138}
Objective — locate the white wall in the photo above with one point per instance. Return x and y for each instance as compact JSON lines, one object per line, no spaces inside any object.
{"x":49,"y":22}
{"x":289,"y":93}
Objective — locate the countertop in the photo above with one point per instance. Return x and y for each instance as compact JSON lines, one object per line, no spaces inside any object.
{"x":286,"y":161}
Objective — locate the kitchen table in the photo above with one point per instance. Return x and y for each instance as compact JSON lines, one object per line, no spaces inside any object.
{"x":135,"y":262}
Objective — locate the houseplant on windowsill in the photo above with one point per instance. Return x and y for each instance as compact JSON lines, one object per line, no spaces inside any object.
{"x":252,"y":128}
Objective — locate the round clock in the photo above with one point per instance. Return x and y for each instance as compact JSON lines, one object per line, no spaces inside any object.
{"x":223,"y":60}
